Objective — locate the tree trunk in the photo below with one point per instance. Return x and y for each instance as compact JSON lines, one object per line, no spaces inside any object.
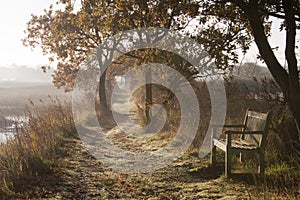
{"x":148,"y":101}
{"x":294,"y":87}
{"x":105,"y":115}
{"x":288,"y":83}
{"x":294,"y":106}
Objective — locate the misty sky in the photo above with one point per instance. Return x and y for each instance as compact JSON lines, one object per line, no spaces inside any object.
{"x":13,"y":17}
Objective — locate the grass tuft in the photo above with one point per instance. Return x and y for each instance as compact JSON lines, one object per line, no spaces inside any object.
{"x":33,"y":152}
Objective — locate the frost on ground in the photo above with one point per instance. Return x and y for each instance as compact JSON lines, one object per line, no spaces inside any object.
{"x":79,"y":175}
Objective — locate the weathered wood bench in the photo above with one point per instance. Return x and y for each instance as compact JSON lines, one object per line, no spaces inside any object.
{"x":252,"y":140}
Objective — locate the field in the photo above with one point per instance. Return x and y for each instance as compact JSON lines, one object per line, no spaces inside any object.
{"x":14,"y":96}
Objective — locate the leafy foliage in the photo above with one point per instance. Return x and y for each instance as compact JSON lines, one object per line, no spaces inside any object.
{"x":69,"y":35}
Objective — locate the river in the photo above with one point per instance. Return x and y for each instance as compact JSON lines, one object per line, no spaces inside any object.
{"x":8,"y":127}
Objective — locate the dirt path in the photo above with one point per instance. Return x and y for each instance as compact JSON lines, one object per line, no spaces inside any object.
{"x":80,"y":176}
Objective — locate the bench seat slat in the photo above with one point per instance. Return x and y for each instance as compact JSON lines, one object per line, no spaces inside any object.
{"x":220,"y":144}
{"x":235,"y":144}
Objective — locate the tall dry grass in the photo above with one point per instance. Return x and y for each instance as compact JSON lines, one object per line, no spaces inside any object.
{"x":34,"y":150}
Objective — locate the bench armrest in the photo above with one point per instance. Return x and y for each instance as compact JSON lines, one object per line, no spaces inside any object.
{"x":244,"y":132}
{"x":228,"y":126}
{"x":234,"y":126}
{"x":215,"y":127}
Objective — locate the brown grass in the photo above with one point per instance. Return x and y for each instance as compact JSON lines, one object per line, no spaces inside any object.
{"x":34,"y":150}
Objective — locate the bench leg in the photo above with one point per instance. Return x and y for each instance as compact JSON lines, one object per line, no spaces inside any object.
{"x":241,"y":158}
{"x":213,"y":156}
{"x":261,"y":167}
{"x":227,"y":163}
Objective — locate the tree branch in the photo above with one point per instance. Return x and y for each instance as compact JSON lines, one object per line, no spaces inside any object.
{"x":281,"y":16}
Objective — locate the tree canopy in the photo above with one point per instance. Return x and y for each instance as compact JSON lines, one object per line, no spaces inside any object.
{"x":69,"y":35}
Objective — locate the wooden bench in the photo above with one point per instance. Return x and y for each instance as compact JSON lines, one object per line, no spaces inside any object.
{"x":252,"y":140}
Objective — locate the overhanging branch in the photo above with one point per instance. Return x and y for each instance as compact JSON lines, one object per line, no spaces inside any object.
{"x":281,"y":16}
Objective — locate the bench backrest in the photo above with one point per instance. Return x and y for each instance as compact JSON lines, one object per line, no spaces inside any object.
{"x":256,"y":121}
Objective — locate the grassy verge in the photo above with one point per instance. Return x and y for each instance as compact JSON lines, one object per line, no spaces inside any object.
{"x":33,"y":153}
{"x":280,"y":181}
